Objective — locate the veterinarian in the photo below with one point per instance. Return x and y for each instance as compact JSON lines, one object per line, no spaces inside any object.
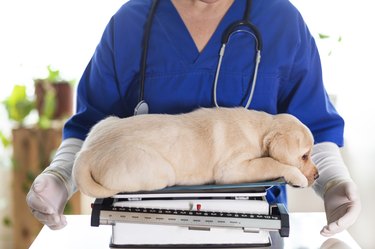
{"x":164,"y":58}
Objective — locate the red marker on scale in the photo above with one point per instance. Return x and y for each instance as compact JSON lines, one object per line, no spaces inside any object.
{"x":199,"y":206}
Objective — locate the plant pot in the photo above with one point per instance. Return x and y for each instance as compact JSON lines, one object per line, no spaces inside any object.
{"x":63,"y":95}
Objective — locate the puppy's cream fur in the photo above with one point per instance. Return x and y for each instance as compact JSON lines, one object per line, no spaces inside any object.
{"x":218,"y":145}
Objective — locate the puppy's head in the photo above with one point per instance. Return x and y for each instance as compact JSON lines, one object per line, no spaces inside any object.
{"x":290,"y":142}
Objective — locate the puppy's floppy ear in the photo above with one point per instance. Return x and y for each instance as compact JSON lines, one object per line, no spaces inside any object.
{"x":270,"y":141}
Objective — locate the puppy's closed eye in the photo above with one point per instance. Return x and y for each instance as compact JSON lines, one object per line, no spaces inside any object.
{"x":305,"y":157}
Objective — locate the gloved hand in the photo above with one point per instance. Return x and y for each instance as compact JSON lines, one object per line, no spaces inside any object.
{"x":335,"y":186}
{"x":342,"y":205}
{"x":52,"y":189}
{"x":47,"y":199}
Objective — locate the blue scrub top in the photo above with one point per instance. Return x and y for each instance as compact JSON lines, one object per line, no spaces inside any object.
{"x":180,"y":79}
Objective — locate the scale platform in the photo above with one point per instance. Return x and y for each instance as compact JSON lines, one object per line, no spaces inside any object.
{"x":230,"y":216}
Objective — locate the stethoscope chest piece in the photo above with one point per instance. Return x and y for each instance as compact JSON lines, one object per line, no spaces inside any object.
{"x":141,"y":108}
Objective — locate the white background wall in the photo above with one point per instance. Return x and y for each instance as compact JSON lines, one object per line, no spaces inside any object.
{"x":349,"y":74}
{"x":64,"y":33}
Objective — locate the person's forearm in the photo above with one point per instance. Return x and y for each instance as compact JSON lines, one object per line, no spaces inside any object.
{"x":62,"y":164}
{"x":331,"y":167}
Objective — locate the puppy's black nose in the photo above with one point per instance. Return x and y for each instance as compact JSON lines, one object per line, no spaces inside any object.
{"x":316,"y":176}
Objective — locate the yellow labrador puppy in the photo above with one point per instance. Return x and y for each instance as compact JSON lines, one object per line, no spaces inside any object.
{"x":218,"y":145}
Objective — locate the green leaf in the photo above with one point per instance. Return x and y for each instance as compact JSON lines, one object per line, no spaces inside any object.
{"x":323,"y":36}
{"x":7,"y":222}
{"x":53,"y":75}
{"x":30,"y":176}
{"x":4,"y":140}
{"x":18,"y":105}
{"x":15,"y":164}
{"x":48,"y":108}
{"x":68,"y":208}
{"x":25,"y":186}
{"x":44,"y":122}
{"x":49,"y":105}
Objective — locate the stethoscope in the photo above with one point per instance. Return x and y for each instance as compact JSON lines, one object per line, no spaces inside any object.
{"x":236,"y":27}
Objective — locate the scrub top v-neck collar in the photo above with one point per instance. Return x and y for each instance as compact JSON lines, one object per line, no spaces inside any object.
{"x":177,"y":32}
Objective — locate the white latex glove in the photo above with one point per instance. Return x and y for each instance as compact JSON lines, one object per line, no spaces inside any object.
{"x":342,"y":205}
{"x":47,"y":199}
{"x":52,"y":189}
{"x":339,"y":192}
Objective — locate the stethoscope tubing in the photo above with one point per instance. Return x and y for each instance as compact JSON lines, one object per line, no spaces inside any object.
{"x":142,"y":106}
{"x":145,"y":43}
{"x":256,"y":68}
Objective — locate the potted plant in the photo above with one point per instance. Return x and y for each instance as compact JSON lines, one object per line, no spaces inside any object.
{"x":32,"y":146}
{"x":54,"y":96}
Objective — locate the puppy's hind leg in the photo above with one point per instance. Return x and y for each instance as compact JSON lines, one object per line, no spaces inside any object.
{"x":141,"y":169}
{"x":259,"y":169}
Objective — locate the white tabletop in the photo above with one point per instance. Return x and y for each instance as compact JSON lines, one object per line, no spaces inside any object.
{"x":304,"y":233}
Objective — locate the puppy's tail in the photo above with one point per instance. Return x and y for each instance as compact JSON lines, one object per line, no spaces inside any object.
{"x":83,"y":178}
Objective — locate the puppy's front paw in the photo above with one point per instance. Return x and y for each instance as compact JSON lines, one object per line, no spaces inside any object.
{"x":295,"y":178}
